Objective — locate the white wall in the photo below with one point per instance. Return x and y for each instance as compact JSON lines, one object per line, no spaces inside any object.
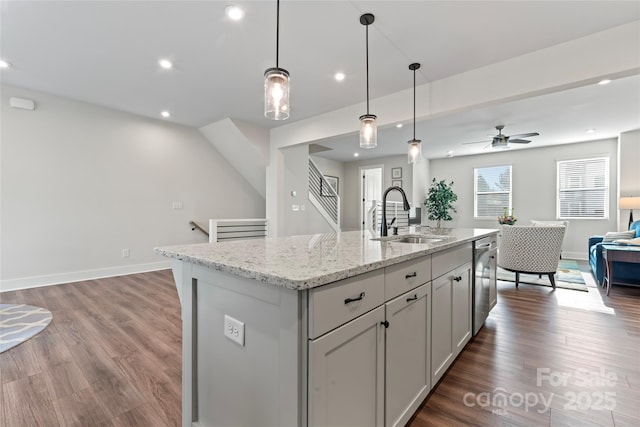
{"x":629,"y":176}
{"x":573,"y":66}
{"x":81,"y":182}
{"x":333,"y":168}
{"x":351,"y":201}
{"x":296,"y":178}
{"x":533,"y":187}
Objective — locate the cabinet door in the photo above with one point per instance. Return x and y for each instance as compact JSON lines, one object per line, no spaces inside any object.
{"x":461,"y":308}
{"x":408,"y":368}
{"x":346,"y":374}
{"x":441,"y":343}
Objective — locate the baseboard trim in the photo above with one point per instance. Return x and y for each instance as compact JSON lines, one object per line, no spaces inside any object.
{"x":78,"y":276}
{"x":581,"y":256}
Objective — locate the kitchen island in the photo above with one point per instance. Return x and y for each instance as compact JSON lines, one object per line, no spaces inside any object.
{"x":326,"y":329}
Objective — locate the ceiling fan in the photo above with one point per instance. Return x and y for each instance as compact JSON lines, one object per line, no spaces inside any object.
{"x":502,"y":141}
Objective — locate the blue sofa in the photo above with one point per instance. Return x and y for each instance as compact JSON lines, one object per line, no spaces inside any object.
{"x":623,"y":271}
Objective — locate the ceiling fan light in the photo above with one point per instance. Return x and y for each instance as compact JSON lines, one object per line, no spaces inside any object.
{"x":415,"y":151}
{"x":276,"y":94}
{"x":368,"y":131}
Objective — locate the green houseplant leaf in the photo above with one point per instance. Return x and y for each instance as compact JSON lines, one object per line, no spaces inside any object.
{"x":439,"y":201}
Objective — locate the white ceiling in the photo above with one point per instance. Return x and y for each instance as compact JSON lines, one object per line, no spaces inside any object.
{"x":106,"y":52}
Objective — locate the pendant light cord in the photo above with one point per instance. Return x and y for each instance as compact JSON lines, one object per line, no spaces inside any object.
{"x":414,"y":105}
{"x":367,"y":41}
{"x":277,"y":31}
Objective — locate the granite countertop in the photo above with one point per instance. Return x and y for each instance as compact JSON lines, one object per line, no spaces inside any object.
{"x":303,"y":262}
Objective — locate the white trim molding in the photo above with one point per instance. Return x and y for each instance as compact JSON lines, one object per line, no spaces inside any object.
{"x":78,"y":276}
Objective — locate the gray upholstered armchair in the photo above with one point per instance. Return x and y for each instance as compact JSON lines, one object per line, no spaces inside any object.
{"x":531,"y":249}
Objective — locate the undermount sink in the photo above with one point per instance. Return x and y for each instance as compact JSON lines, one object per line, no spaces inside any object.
{"x":417,"y":239}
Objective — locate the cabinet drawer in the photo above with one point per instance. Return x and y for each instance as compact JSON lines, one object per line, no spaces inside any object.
{"x":337,"y":303}
{"x":450,"y":259}
{"x":404,"y":276}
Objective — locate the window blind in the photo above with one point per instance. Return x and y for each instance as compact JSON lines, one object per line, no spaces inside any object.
{"x":492,"y":191}
{"x":583,"y":188}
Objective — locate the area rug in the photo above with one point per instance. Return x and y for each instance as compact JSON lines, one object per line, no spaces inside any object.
{"x":19,"y":322}
{"x":568,"y":276}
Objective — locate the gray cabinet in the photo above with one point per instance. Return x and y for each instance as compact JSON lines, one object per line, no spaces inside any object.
{"x":408,"y":354}
{"x":451,"y":308}
{"x":346,"y":374}
{"x":322,"y":356}
{"x":441,"y":327}
{"x":461,"y":320}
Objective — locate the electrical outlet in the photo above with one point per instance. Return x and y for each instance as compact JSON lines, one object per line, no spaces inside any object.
{"x":234,"y":329}
{"x":125,"y":253}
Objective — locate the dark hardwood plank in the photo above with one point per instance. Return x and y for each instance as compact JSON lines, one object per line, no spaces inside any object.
{"x":112,"y":357}
{"x":88,"y":367}
{"x":534,"y":330}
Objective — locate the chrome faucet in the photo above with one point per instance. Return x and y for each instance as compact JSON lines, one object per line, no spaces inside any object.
{"x":384,"y":228}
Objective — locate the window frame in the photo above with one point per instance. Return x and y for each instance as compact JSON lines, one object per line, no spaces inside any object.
{"x":476,"y":193}
{"x":606,"y":188}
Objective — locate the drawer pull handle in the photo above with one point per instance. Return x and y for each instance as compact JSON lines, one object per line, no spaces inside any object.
{"x":358,"y":298}
{"x":413,"y":298}
{"x":414,"y":274}
{"x":385,"y":323}
{"x":457,"y":278}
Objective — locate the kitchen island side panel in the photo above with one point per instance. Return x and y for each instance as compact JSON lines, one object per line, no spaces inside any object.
{"x":259,"y":383}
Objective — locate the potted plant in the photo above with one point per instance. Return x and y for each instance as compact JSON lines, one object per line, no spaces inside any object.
{"x":505,"y":219}
{"x":439,"y":201}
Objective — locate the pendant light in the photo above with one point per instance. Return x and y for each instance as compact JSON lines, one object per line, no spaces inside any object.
{"x":276,"y":84}
{"x":415,"y":150}
{"x":368,"y":125}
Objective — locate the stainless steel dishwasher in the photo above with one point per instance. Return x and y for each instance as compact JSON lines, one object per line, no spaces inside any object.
{"x":484,"y":277}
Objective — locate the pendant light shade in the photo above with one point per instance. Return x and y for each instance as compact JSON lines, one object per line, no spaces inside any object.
{"x":276,"y":94}
{"x":368,"y":123}
{"x":415,"y":145}
{"x":415,"y":150}
{"x":368,"y":131}
{"x":276,"y":84}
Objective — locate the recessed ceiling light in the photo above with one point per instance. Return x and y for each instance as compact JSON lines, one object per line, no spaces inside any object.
{"x":604,"y":82}
{"x":399,"y":125}
{"x":234,"y":12}
{"x":339,"y":76}
{"x":355,"y":154}
{"x":450,"y":153}
{"x":4,"y":64}
{"x":165,"y":63}
{"x":590,"y":130}
{"x":165,"y":114}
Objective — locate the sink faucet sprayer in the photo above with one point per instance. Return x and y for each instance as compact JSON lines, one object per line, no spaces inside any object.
{"x":406,"y":207}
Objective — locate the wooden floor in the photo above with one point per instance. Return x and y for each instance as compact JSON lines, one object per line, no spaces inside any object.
{"x":546,"y":358}
{"x":111,"y":357}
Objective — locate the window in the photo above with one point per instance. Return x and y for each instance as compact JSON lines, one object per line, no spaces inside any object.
{"x":492,"y":191}
{"x":583,"y":188}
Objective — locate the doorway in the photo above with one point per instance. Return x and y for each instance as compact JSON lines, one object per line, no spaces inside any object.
{"x":370,"y":190}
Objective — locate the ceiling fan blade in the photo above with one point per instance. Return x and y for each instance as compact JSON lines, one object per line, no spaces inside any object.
{"x":519,"y":141}
{"x":476,"y":142}
{"x":524,"y":135}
